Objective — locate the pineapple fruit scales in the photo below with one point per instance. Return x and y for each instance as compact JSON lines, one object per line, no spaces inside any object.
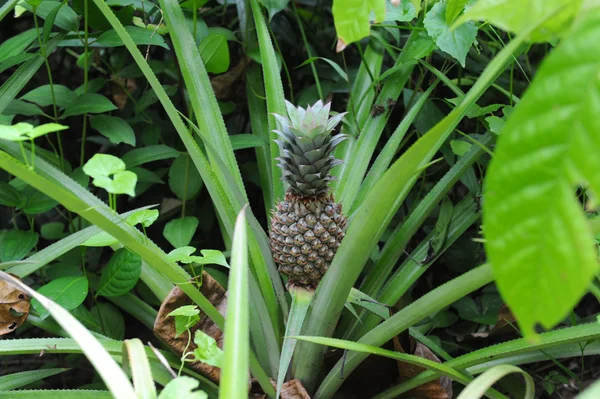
{"x":308,"y":225}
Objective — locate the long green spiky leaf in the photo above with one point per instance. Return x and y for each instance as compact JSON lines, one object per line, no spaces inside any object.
{"x":273,"y":92}
{"x":17,"y":380}
{"x":538,"y":240}
{"x":481,"y":384}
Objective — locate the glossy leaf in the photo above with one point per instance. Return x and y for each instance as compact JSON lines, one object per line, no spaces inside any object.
{"x":121,"y":274}
{"x":89,"y":103}
{"x":140,"y":36}
{"x":455,"y":42}
{"x":215,"y":53}
{"x":68,"y":292}
{"x":16,"y":244}
{"x":179,"y":232}
{"x":9,"y":196}
{"x":42,"y":96}
{"x":351,"y":19}
{"x":538,"y":240}
{"x":113,"y":128}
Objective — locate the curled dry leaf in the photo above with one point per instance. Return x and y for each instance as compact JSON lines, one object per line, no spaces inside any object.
{"x":164,"y":325}
{"x":294,"y":390}
{"x":437,"y":389}
{"x":14,"y":307}
{"x":120,"y":88}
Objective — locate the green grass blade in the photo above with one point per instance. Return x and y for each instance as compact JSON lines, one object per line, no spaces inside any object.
{"x":33,"y":346}
{"x":359,"y":106}
{"x":273,"y":91}
{"x":13,"y":85}
{"x":57,"y":393}
{"x":440,"y":368}
{"x":115,"y":379}
{"x":135,"y":362}
{"x":428,"y":304}
{"x":204,"y":103}
{"x":236,"y":345}
{"x":384,"y":159}
{"x":481,"y":384}
{"x":301,"y":300}
{"x":464,"y":215}
{"x":396,"y":244}
{"x":7,"y":8}
{"x":259,"y":121}
{"x":17,"y":380}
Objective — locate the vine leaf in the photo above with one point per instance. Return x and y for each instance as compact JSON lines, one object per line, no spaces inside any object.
{"x":538,"y":241}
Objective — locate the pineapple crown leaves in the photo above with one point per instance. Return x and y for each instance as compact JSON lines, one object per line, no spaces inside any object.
{"x":306,"y":147}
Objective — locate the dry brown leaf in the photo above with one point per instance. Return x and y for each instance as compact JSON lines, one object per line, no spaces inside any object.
{"x":119,"y":88}
{"x":224,"y":85}
{"x":292,"y":389}
{"x":164,"y":325}
{"x":437,"y":389}
{"x":14,"y":307}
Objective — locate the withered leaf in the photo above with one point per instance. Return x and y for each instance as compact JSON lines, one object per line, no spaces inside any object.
{"x":164,"y":325}
{"x":437,"y":389}
{"x":293,"y":390}
{"x":14,"y":307}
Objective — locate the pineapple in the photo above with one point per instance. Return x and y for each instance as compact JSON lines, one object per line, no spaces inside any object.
{"x":308,"y":225}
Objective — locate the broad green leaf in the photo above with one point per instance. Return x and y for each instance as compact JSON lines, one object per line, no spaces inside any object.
{"x":9,"y":196}
{"x":35,"y":202}
{"x":179,"y":232}
{"x":145,"y":217}
{"x":460,"y":147}
{"x":17,"y":44}
{"x":110,"y":320}
{"x":403,"y":12}
{"x":351,"y":19}
{"x":211,"y":257}
{"x":12,"y":381}
{"x":121,"y":274}
{"x":140,"y":156}
{"x":495,"y":123}
{"x":140,"y":36}
{"x":207,"y":350}
{"x":182,"y":387}
{"x":274,"y":6}
{"x":455,"y":42}
{"x":214,"y":51}
{"x":182,"y":254}
{"x":89,"y":103}
{"x":16,"y":244}
{"x":453,"y":9}
{"x":121,"y":183}
{"x":186,"y":317}
{"x":24,"y":131}
{"x":537,"y":238}
{"x":53,"y":231}
{"x":518,"y":15}
{"x":103,"y":165}
{"x":68,"y":292}
{"x":42,"y":96}
{"x":66,"y":19}
{"x":184,"y":179}
{"x":18,"y":107}
{"x":113,"y":128}
{"x":420,"y":47}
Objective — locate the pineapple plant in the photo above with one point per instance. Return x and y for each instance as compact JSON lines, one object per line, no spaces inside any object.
{"x":307,"y":226}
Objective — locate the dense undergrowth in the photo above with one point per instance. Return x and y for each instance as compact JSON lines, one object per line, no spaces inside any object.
{"x":139,"y":176}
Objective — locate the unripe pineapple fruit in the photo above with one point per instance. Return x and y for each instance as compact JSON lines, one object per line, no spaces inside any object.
{"x":308,"y":225}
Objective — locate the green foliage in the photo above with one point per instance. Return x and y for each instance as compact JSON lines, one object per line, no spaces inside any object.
{"x":113,"y":128}
{"x":455,"y":42}
{"x":516,"y":16}
{"x":16,"y":244}
{"x":179,"y":232}
{"x":182,"y":387}
{"x":88,"y":103}
{"x":538,"y":240}
{"x":120,"y":274}
{"x":207,"y":350}
{"x":351,"y":19}
{"x":185,"y":318}
{"x":109,"y":173}
{"x":68,"y":292}
{"x":215,"y":53}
